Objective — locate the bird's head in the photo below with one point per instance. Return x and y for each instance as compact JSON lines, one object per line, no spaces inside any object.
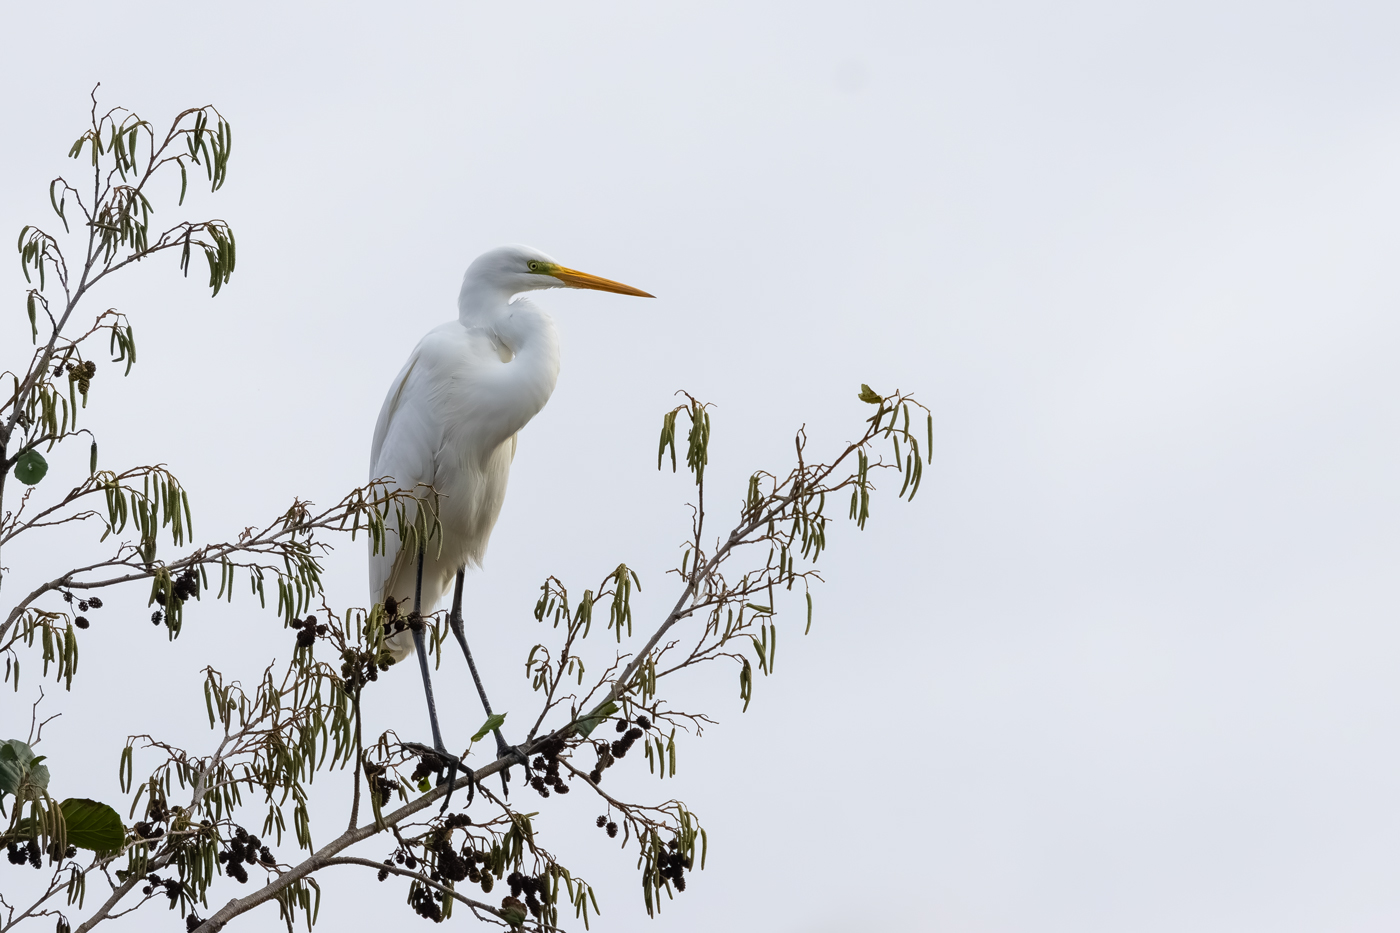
{"x":515,"y":269}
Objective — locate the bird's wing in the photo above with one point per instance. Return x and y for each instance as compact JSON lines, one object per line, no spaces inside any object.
{"x":404,"y":449}
{"x":386,"y":413}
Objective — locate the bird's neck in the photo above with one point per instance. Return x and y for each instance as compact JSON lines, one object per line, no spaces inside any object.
{"x":520,"y":387}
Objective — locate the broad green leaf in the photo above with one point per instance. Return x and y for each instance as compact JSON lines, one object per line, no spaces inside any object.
{"x":39,"y":774}
{"x":17,"y":760}
{"x":869,"y":395}
{"x":491,"y":725}
{"x":11,"y":767}
{"x":31,"y":467}
{"x":92,"y":825}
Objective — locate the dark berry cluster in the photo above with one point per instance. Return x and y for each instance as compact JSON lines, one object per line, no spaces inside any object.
{"x":609,"y":752}
{"x":186,"y":585}
{"x":148,"y":828}
{"x":673,"y":865}
{"x":361,"y":667}
{"x":605,"y":760}
{"x":427,"y":903}
{"x":609,"y":825}
{"x":245,"y":848}
{"x":394,"y":623}
{"x":308,"y":629}
{"x":19,"y":853}
{"x":448,"y":864}
{"x":235,"y":868}
{"x":533,"y":889}
{"x":451,"y":865}
{"x":174,"y":887}
{"x":57,"y":855}
{"x":192,"y":922}
{"x":547,"y":761}
{"x":92,"y":602}
{"x":454,"y":866}
{"x":379,"y":782}
{"x":620,"y":747}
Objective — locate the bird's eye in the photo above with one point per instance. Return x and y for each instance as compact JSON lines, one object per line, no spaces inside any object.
{"x":534,"y":266}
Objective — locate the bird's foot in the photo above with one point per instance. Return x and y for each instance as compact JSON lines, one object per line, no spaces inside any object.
{"x":437,"y":761}
{"x":513,"y":752}
{"x":515,"y":755}
{"x":431,"y":760}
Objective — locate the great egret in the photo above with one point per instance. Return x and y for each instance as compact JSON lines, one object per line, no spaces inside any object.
{"x":450,"y":422}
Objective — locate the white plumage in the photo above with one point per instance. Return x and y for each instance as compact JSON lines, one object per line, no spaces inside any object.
{"x":451,"y":418}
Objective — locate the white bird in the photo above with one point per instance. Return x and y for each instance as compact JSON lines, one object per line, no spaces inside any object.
{"x":451,"y":420}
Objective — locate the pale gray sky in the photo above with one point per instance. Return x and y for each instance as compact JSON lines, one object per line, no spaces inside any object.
{"x":1129,"y":663}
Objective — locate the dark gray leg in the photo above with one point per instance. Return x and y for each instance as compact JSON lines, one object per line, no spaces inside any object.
{"x":459,"y":630}
{"x":420,"y":643}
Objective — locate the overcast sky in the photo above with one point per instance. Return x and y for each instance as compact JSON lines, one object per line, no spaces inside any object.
{"x":1130,"y":662}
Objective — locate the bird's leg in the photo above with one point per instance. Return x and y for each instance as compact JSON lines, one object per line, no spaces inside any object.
{"x":420,"y":642}
{"x":459,"y":630}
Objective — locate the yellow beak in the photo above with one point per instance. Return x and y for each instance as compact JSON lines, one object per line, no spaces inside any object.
{"x":575,"y":279}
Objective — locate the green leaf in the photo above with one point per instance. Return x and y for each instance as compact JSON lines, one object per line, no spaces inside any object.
{"x":18,"y":761}
{"x":514,"y":914}
{"x":585,"y":726}
{"x":10,"y":768}
{"x":869,"y":395}
{"x":30,"y":467}
{"x":491,"y":725}
{"x":92,"y":825}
